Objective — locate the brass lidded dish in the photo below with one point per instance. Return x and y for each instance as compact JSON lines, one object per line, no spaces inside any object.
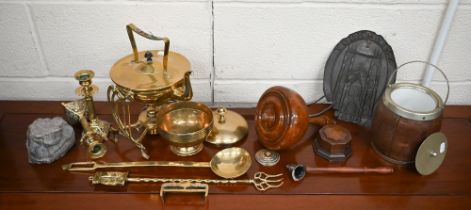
{"x":229,"y":127}
{"x":185,"y":125}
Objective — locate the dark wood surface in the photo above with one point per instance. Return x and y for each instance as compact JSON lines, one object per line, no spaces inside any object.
{"x":26,"y":186}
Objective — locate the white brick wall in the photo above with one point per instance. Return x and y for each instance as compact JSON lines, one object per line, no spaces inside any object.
{"x":242,"y":47}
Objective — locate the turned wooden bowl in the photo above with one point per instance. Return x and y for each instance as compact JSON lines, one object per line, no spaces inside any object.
{"x":281,"y":118}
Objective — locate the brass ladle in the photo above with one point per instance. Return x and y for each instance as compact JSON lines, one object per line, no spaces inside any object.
{"x":228,"y":163}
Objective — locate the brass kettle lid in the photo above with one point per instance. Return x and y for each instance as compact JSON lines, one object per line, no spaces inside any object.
{"x":229,"y":127}
{"x":144,"y":76}
{"x":149,"y":70}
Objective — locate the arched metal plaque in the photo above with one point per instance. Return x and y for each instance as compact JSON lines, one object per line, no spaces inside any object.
{"x":356,"y":75}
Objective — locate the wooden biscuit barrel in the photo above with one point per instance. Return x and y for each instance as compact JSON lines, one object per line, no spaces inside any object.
{"x":407,"y":114}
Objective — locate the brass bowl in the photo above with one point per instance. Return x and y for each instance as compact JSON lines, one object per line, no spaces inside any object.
{"x":185,"y":125}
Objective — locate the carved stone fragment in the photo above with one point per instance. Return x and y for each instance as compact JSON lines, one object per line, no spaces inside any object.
{"x":48,"y":139}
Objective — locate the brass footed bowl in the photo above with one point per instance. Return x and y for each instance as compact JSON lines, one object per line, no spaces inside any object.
{"x":185,"y":125}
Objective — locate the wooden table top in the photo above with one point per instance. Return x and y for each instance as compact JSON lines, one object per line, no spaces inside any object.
{"x":47,"y":186}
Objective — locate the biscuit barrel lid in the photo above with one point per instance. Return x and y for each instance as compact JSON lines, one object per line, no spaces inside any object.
{"x":431,"y":153}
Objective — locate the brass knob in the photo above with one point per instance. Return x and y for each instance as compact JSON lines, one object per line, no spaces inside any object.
{"x":148,"y":56}
{"x":221,"y":112}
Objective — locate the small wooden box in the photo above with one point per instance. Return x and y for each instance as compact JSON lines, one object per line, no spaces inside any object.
{"x":333,"y":143}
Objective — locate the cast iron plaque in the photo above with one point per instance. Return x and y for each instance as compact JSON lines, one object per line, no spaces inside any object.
{"x":356,"y":74}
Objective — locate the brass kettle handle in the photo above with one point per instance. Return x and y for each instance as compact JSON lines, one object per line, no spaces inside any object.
{"x":131,"y":27}
{"x":187,"y":93}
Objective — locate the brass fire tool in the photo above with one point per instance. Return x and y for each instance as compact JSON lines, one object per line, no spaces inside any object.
{"x":228,"y":163}
{"x":183,"y":188}
{"x":261,"y":181}
{"x":95,"y":130}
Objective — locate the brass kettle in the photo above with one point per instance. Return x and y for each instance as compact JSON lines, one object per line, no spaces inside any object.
{"x":150,"y":77}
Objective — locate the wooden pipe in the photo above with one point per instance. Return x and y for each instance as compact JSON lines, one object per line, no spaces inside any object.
{"x":321,"y":120}
{"x":379,"y":170}
{"x":298,"y":171}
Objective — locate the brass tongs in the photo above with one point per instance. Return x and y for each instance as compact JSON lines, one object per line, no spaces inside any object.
{"x":92,"y":165}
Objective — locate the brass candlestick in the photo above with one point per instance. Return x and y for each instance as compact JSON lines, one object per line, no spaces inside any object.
{"x":95,"y":131}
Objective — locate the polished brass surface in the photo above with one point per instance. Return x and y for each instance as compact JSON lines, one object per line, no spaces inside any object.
{"x":261,"y":181}
{"x":95,"y":147}
{"x":92,"y":166}
{"x":91,"y":137}
{"x":267,"y":157}
{"x":228,"y":163}
{"x":87,"y":90}
{"x":151,"y":77}
{"x":95,"y":130}
{"x":149,"y":70}
{"x":231,"y":162}
{"x":185,"y":187}
{"x":431,"y":153}
{"x":185,"y":125}
{"x":70,"y":110}
{"x":229,"y":127}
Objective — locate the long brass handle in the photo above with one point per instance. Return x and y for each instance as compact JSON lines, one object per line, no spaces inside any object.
{"x":131,"y":27}
{"x":187,"y":164}
{"x":91,"y":166}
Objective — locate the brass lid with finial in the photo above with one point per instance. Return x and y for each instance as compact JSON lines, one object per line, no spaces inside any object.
{"x":229,"y":127}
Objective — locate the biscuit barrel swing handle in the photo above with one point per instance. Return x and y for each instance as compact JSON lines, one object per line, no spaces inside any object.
{"x":132,"y":28}
{"x":434,"y":66}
